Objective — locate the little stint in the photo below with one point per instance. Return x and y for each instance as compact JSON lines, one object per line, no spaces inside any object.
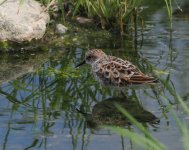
{"x":114,"y":71}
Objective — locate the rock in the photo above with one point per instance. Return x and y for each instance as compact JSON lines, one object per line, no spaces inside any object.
{"x":22,"y":20}
{"x":61,"y":29}
{"x":83,"y":20}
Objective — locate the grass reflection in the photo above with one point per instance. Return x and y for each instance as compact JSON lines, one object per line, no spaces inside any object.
{"x":44,"y":94}
{"x":49,"y":96}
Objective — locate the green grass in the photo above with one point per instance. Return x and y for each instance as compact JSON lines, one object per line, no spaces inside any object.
{"x":142,"y":141}
{"x":110,"y":14}
{"x":168,"y":4}
{"x":146,"y":142}
{"x":119,"y":15}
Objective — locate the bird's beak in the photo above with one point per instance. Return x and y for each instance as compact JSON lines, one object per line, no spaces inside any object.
{"x":82,"y":63}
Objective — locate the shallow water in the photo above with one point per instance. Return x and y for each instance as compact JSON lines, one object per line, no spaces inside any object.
{"x":45,"y":103}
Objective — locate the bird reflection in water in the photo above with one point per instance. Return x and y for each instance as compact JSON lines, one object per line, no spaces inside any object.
{"x":106,"y":113}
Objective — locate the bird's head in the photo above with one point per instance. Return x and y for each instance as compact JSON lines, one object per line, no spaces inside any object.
{"x":92,"y":56}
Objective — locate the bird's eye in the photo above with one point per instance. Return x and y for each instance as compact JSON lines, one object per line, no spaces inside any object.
{"x":89,"y":57}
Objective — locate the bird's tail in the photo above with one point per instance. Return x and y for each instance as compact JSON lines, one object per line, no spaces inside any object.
{"x":143,"y":79}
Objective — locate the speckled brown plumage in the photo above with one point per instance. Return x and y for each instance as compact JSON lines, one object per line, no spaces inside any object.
{"x":113,"y":71}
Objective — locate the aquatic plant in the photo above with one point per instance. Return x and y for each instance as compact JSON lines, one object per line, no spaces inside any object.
{"x":147,"y":141}
{"x":169,"y":11}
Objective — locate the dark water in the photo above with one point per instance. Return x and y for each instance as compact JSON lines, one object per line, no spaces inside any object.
{"x":45,"y":103}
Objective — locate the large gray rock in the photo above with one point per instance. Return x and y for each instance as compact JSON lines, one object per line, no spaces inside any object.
{"x":22,"y":20}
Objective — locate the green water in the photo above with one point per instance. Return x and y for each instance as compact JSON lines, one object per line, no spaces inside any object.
{"x":46,"y":103}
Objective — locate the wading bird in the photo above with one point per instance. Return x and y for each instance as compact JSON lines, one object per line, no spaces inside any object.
{"x":114,"y":71}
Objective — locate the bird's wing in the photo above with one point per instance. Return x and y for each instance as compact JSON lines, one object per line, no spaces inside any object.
{"x":125,"y":63}
{"x":120,"y":72}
